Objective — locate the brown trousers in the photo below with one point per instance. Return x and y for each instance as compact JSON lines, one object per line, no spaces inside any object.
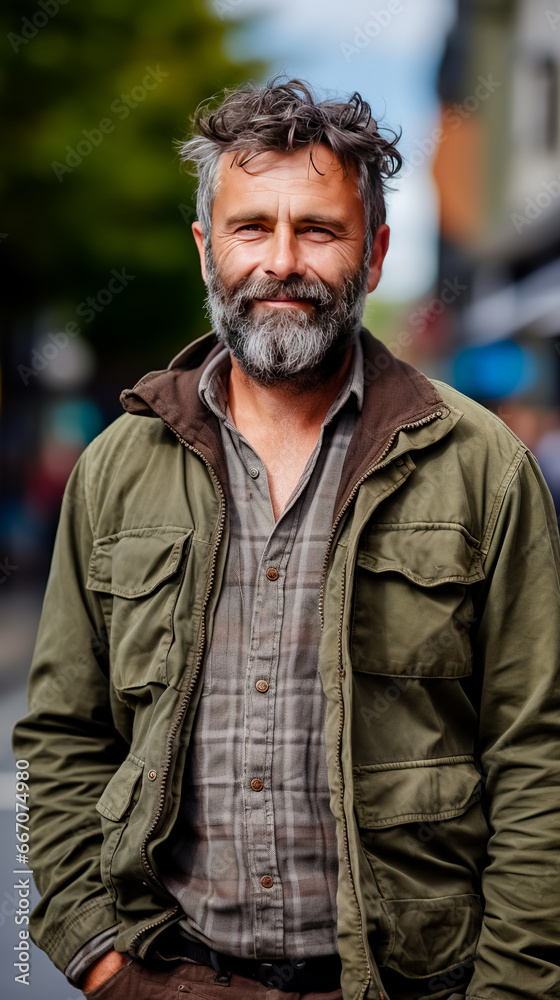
{"x":137,"y":981}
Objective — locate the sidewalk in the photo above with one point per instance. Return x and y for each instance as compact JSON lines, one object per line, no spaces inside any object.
{"x":19,"y":616}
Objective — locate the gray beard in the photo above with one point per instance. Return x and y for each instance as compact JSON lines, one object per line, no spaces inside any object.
{"x":286,"y":345}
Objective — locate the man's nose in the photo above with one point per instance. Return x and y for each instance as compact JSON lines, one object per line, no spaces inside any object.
{"x":282,"y":258}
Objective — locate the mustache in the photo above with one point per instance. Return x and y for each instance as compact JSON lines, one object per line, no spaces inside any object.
{"x":247,"y":289}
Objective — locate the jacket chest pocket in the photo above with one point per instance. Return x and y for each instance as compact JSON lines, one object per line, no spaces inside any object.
{"x":138,"y":573}
{"x":413,"y":603}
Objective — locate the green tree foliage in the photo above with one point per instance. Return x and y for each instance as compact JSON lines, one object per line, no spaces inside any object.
{"x":93,"y":94}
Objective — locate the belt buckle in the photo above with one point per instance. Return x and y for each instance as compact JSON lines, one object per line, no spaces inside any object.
{"x":270,"y":975}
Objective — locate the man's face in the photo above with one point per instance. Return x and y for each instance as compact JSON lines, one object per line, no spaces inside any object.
{"x":285,"y":266}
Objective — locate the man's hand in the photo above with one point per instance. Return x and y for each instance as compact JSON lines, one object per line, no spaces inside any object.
{"x":103,"y":969}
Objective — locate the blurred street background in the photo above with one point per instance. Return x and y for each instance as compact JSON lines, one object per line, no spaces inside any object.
{"x":101,"y":277}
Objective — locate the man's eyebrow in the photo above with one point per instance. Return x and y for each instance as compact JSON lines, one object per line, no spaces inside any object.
{"x":248,"y":218}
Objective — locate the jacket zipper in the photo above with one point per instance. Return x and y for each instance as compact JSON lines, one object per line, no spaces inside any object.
{"x":187,"y":697}
{"x":374,"y":468}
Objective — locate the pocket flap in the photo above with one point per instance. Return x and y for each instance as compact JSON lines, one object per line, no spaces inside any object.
{"x":134,"y":562}
{"x":428,"y":554}
{"x":117,"y":796}
{"x":414,"y":791}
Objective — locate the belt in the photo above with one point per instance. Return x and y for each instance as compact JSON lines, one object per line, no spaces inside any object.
{"x":292,"y":975}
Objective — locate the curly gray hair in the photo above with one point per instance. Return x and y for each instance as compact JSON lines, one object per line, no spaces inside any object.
{"x":286,"y":116}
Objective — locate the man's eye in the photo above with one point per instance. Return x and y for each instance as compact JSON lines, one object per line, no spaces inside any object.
{"x":251,"y":226}
{"x":319,"y":229}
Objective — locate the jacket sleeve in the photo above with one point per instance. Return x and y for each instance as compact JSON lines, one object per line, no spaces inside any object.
{"x":71,"y":743}
{"x":516,"y":651}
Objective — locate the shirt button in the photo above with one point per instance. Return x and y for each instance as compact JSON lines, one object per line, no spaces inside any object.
{"x":254,"y":473}
{"x":272,"y":573}
{"x":257,"y":785}
{"x":267,"y":882}
{"x":152,"y":775}
{"x":262,"y":686}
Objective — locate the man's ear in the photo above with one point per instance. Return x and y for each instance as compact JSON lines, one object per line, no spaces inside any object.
{"x":378,"y":251}
{"x":199,"y":240}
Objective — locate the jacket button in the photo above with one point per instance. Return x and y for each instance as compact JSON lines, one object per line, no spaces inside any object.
{"x":152,"y":775}
{"x":399,"y":461}
{"x":267,"y":882}
{"x":262,"y":686}
{"x":272,"y":573}
{"x":257,"y":785}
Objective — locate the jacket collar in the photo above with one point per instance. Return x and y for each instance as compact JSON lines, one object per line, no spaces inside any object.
{"x":172,"y":395}
{"x":397,"y":397}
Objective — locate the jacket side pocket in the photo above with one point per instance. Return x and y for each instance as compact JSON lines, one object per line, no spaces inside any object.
{"x":114,"y":805}
{"x":423,"y":833}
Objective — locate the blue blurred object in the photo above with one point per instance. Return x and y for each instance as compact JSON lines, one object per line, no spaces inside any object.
{"x":495,"y":371}
{"x":74,"y":422}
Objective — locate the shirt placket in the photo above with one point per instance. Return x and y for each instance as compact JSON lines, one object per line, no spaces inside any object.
{"x":260,"y":709}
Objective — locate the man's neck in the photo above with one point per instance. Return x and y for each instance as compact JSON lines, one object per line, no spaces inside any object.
{"x":284,"y":405}
{"x":282,"y":425}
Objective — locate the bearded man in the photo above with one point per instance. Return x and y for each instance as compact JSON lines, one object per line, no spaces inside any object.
{"x":302,"y":629}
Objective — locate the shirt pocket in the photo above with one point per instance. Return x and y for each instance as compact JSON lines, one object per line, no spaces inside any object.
{"x":138,"y":574}
{"x":413,"y":603}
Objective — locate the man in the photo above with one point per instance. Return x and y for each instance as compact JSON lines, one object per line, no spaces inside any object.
{"x":294,"y":703}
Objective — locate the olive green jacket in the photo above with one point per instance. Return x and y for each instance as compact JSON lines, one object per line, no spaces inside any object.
{"x":439,"y":662}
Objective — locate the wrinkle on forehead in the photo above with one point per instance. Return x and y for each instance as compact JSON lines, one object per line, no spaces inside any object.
{"x":324,"y":174}
{"x":318,"y":158}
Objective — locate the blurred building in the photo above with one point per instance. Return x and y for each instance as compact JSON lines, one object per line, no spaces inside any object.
{"x":497,"y":170}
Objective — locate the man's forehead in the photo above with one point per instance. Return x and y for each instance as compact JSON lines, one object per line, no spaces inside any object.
{"x":315,"y":166}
